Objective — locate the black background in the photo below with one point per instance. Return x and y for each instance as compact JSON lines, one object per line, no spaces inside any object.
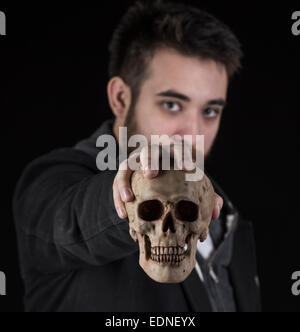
{"x":53,"y":76}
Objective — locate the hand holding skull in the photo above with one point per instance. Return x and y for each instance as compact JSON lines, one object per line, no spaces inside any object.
{"x":122,"y":192}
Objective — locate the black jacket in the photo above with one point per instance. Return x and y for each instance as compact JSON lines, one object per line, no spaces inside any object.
{"x":77,"y":255}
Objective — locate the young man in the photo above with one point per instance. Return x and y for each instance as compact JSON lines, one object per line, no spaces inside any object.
{"x":169,"y":69}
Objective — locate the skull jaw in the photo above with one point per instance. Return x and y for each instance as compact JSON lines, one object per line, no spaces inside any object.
{"x":167,"y":272}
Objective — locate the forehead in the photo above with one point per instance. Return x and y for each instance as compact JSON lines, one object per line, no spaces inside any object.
{"x":193,"y":76}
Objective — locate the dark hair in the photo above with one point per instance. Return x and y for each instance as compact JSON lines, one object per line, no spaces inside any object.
{"x":152,"y":24}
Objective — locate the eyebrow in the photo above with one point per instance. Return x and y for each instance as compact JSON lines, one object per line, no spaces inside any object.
{"x":178,"y":95}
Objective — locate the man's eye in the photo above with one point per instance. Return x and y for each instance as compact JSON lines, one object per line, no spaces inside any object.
{"x":211,"y":112}
{"x":172,"y":106}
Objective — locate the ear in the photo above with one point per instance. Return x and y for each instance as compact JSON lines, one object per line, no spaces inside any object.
{"x":119,"y":97}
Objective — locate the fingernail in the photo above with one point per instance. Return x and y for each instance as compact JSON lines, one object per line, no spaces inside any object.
{"x":219,"y":211}
{"x":126,"y":194}
{"x":121,"y":212}
{"x":147,"y":171}
{"x":189,"y":165}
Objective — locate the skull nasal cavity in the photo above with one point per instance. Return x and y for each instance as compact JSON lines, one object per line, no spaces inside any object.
{"x":168,"y":224}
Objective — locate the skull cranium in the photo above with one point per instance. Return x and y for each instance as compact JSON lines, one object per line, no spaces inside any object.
{"x":167,"y":218}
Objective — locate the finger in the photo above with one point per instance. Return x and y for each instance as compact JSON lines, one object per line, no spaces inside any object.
{"x":204,"y":235}
{"x":145,"y":158}
{"x":119,"y":205}
{"x":175,"y":151}
{"x":188,"y":160}
{"x":176,"y":139}
{"x":133,"y":162}
{"x":217,"y":207}
{"x":122,"y":183}
{"x":177,"y":155}
{"x":182,"y":154}
{"x":189,"y":164}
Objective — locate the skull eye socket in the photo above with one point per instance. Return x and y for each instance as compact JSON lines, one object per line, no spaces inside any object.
{"x":150,"y":210}
{"x":186,"y":211}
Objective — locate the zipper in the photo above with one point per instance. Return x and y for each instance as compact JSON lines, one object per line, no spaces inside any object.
{"x":231,"y":222}
{"x":213,"y":275}
{"x":199,"y":271}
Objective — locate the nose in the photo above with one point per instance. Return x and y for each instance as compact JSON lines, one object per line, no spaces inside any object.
{"x":193,"y":123}
{"x":192,"y":127}
{"x":168,"y":223}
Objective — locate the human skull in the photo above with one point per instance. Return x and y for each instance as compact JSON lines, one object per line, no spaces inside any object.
{"x":167,"y":218}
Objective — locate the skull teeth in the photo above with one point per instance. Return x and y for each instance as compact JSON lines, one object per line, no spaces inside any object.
{"x":173,"y":255}
{"x":168,"y":258}
{"x":159,"y":251}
